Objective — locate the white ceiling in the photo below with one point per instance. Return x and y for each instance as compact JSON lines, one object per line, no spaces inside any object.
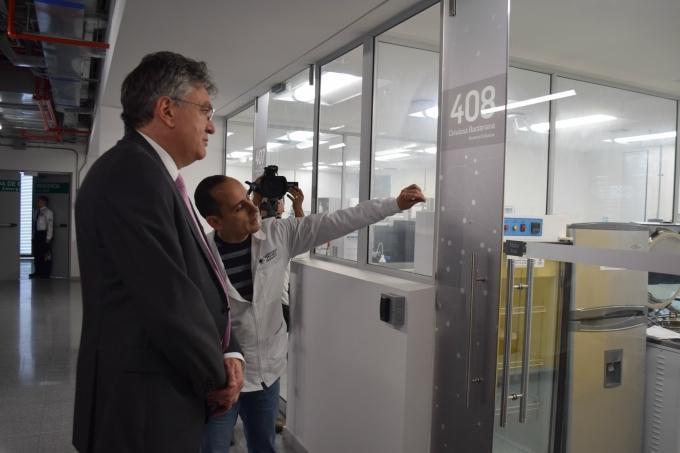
{"x":252,"y":46}
{"x":633,"y":42}
{"x":249,"y":46}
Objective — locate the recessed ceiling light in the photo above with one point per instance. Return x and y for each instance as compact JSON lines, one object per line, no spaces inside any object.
{"x":647,"y":137}
{"x":573,"y":122}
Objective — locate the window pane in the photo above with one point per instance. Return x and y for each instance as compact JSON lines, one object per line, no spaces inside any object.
{"x":240,"y":145}
{"x":526,"y":150}
{"x":614,"y":154}
{"x":290,"y":134}
{"x":405,"y":139}
{"x":26,"y":227}
{"x":339,"y":132}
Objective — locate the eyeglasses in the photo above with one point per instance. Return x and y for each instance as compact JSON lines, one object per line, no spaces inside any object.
{"x":207,"y":111}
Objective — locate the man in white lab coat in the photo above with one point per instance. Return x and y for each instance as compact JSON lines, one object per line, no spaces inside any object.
{"x":255,"y":254}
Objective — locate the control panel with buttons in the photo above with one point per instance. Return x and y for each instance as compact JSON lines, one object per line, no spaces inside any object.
{"x":518,"y":226}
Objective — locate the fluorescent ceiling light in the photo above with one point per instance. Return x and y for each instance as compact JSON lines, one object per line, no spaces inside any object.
{"x":532,"y":101}
{"x":431,"y":150}
{"x":307,"y":145}
{"x":392,"y":156}
{"x":431,"y":112}
{"x":335,"y":128}
{"x":330,"y":82}
{"x":239,"y":154}
{"x":643,"y":138}
{"x":250,"y":148}
{"x":297,"y":136}
{"x":386,"y":152}
{"x":273,"y":145}
{"x":349,"y":163}
{"x":573,"y":122}
{"x":337,"y":145}
{"x":410,"y":145}
{"x":229,"y":134}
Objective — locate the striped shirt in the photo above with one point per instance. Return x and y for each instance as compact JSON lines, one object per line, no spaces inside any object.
{"x":236,"y":259}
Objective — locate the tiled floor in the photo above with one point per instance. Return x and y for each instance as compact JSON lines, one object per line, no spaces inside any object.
{"x":39,"y":335}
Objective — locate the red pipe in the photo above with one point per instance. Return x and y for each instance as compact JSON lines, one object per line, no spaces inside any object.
{"x":46,"y":38}
{"x":55,"y":134}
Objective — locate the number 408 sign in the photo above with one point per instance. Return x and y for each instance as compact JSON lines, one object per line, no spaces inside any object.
{"x":476,"y":113}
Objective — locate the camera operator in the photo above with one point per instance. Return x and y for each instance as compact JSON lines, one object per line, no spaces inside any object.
{"x":255,"y":254}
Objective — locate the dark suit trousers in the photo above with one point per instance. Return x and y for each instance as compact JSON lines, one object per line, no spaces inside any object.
{"x":41,"y":249}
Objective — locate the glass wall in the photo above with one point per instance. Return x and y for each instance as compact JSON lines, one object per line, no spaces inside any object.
{"x":290,"y":133}
{"x":339,"y":144}
{"x":614,"y":154}
{"x":240,"y":129}
{"x":404,"y":144}
{"x":526,"y":150}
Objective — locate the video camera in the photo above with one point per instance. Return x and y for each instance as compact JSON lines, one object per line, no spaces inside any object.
{"x":271,"y":188}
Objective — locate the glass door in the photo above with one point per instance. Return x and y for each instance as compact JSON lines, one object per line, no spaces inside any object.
{"x":528,"y":359}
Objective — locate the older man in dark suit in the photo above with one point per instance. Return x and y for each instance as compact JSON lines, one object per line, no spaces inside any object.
{"x":156,"y":357}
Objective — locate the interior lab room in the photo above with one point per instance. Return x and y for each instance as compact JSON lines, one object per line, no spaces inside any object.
{"x":531,"y":303}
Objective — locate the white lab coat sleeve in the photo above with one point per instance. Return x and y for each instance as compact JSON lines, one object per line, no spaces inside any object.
{"x":316,"y":229}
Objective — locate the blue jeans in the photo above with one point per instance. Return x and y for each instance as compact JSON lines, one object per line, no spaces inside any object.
{"x":258,"y":412}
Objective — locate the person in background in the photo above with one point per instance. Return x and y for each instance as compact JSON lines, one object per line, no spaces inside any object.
{"x":43,"y":232}
{"x":296,"y":197}
{"x":157,"y":355}
{"x":255,"y":254}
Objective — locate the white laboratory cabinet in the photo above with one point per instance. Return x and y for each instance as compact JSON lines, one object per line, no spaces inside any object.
{"x":662,"y":399}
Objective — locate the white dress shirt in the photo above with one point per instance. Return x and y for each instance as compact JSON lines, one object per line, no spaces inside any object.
{"x":45,"y":221}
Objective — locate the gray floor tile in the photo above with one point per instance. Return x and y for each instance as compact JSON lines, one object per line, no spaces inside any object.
{"x":39,"y":337}
{"x":55,"y":442}
{"x":19,"y":444}
{"x":57,"y":417}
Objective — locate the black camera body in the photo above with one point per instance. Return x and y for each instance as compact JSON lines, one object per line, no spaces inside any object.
{"x":271,"y":188}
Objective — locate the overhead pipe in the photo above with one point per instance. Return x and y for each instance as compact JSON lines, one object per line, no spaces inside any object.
{"x":56,"y":134}
{"x":43,"y":99}
{"x":11,"y":4}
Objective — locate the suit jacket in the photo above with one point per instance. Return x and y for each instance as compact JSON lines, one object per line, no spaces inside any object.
{"x":153,"y":311}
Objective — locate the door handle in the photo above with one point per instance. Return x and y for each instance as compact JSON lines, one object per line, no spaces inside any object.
{"x":63,"y":225}
{"x":527,"y":340}
{"x":508,"y":338}
{"x":8,"y":225}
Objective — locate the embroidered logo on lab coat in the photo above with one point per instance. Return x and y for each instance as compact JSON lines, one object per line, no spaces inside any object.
{"x":268,"y":257}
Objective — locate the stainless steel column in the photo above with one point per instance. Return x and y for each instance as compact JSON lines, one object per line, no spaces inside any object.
{"x":470,"y":216}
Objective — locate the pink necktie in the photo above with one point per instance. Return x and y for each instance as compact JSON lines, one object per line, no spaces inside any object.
{"x":179,"y":182}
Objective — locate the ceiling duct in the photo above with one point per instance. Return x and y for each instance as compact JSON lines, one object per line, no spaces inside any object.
{"x":23,"y":61}
{"x":64,"y":63}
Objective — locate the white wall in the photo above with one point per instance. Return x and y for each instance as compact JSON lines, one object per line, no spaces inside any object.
{"x":355,"y":383}
{"x":57,"y":158}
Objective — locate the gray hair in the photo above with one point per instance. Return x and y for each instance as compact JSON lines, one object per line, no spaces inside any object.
{"x":160,"y":74}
